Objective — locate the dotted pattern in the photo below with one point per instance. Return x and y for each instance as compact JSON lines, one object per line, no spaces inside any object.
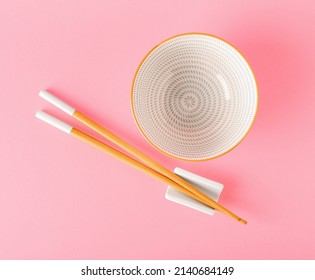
{"x":194,"y":97}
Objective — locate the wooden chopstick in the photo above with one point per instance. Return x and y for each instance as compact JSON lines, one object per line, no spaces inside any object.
{"x":138,"y":154}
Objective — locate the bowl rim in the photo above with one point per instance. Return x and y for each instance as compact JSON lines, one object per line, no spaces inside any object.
{"x":132,"y":94}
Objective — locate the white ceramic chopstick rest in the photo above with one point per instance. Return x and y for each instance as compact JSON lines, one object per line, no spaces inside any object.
{"x":209,"y":187}
{"x":57,"y":102}
{"x":54,"y":122}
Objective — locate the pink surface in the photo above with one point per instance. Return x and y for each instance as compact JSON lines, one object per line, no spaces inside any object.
{"x":59,"y":197}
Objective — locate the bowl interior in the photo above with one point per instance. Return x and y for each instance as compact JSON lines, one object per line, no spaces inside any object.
{"x":194,"y":97}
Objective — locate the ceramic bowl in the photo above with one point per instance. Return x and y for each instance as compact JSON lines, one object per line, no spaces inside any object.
{"x":194,"y":97}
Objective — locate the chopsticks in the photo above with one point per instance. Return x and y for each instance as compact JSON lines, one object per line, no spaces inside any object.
{"x":143,"y":162}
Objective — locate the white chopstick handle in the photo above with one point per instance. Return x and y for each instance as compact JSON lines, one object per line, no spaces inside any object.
{"x":54,"y":122}
{"x":57,"y":102}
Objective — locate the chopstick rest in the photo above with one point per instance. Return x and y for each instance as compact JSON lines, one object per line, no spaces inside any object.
{"x":209,"y":187}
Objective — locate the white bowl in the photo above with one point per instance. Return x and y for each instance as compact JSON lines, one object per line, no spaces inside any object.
{"x":194,"y":97}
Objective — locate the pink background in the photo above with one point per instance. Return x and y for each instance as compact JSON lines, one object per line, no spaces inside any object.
{"x":59,"y":197}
